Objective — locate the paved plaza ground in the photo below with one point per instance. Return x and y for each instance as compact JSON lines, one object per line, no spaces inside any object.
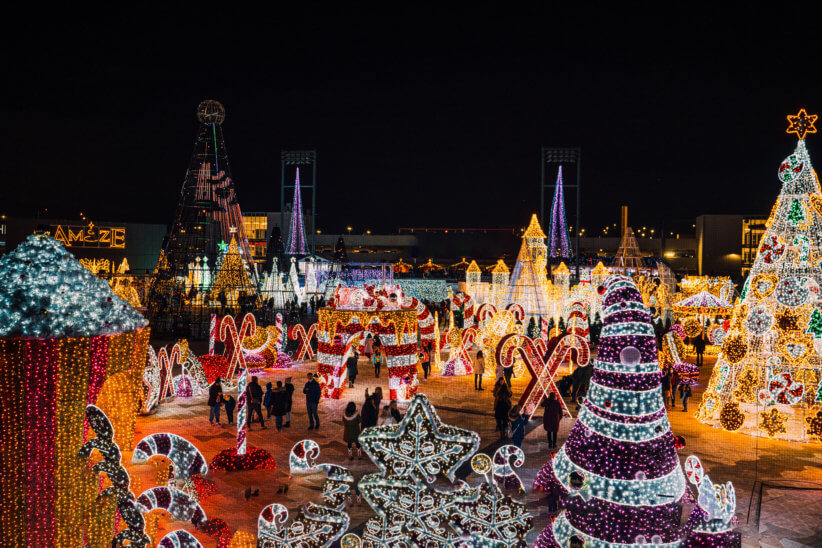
{"x":782,"y":517}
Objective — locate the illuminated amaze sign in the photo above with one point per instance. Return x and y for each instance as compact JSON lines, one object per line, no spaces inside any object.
{"x":90,"y":235}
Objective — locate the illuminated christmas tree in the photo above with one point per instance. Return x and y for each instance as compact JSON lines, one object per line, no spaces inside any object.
{"x":559,"y":242}
{"x":296,"y":237}
{"x":768,"y":373}
{"x":232,"y":278}
{"x":619,"y":469}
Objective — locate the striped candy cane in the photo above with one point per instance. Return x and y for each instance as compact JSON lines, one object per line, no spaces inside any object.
{"x":242,"y":411}
{"x":212,"y":334}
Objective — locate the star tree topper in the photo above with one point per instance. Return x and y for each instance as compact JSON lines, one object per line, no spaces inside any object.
{"x":801,"y":123}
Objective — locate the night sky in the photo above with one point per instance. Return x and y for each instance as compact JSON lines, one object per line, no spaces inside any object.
{"x":419,"y":119}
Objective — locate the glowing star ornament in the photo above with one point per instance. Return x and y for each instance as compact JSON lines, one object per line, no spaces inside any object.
{"x":801,"y":123}
{"x":421,"y":446}
{"x":412,"y":511}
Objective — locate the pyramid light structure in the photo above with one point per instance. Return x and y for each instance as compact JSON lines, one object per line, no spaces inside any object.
{"x":767,"y":380}
{"x":296,"y":234}
{"x":559,"y":243}
{"x":208,"y":216}
{"x":628,"y":255}
{"x":529,"y":280}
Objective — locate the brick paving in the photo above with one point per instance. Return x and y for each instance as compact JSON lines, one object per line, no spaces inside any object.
{"x":787,"y":518}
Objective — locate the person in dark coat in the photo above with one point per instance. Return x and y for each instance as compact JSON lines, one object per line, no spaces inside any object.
{"x":699,"y":347}
{"x":395,"y":411}
{"x":507,"y":373}
{"x":685,"y":393}
{"x":230,"y":404}
{"x":666,"y":386}
{"x":279,"y":405}
{"x":425,"y":360}
{"x":674,"y":386}
{"x":580,"y":379}
{"x":351,"y":429}
{"x":370,"y":413}
{"x":289,"y":400}
{"x":518,"y":422}
{"x":502,"y":406}
{"x":377,"y":396}
{"x":353,"y":369}
{"x":551,"y":418}
{"x":269,"y":394}
{"x":215,"y":392}
{"x":313,"y":393}
{"x":255,"y":401}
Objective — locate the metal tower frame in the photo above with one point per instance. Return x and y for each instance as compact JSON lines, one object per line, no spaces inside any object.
{"x":555,"y":156}
{"x":299,"y":158}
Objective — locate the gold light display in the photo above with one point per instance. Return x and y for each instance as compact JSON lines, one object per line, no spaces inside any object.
{"x":773,"y":422}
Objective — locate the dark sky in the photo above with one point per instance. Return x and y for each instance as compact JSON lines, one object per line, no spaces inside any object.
{"x":419,"y":119}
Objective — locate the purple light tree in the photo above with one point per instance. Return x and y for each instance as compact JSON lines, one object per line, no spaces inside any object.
{"x":618,"y":470}
{"x":296,"y":236}
{"x":559,"y":244}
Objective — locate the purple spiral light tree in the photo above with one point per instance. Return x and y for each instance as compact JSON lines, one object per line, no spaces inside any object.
{"x":559,"y":242}
{"x":619,"y":469}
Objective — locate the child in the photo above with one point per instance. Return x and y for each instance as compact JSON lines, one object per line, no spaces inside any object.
{"x":230,"y":404}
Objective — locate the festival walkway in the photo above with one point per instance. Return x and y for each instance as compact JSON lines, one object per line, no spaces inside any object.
{"x":786,"y":517}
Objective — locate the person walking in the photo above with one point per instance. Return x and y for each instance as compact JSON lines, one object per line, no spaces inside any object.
{"x":230,"y":403}
{"x":666,"y":386}
{"x":289,"y":400}
{"x":479,"y":371}
{"x":508,"y":372}
{"x":312,"y":392}
{"x":369,"y":416}
{"x":426,"y":361}
{"x":369,"y":346}
{"x":518,"y":422}
{"x":376,"y":360}
{"x":351,"y":429}
{"x":685,"y":393}
{"x":278,"y":405}
{"x":674,"y":386}
{"x":699,"y":347}
{"x":551,"y":418}
{"x":269,"y":394}
{"x":501,"y":408}
{"x":501,"y":390}
{"x":254,"y":393}
{"x":215,"y":393}
{"x":353,"y":369}
{"x":377,"y":396}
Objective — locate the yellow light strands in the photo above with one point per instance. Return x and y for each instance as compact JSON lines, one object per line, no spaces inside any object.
{"x":767,"y":369}
{"x":82,"y":345}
